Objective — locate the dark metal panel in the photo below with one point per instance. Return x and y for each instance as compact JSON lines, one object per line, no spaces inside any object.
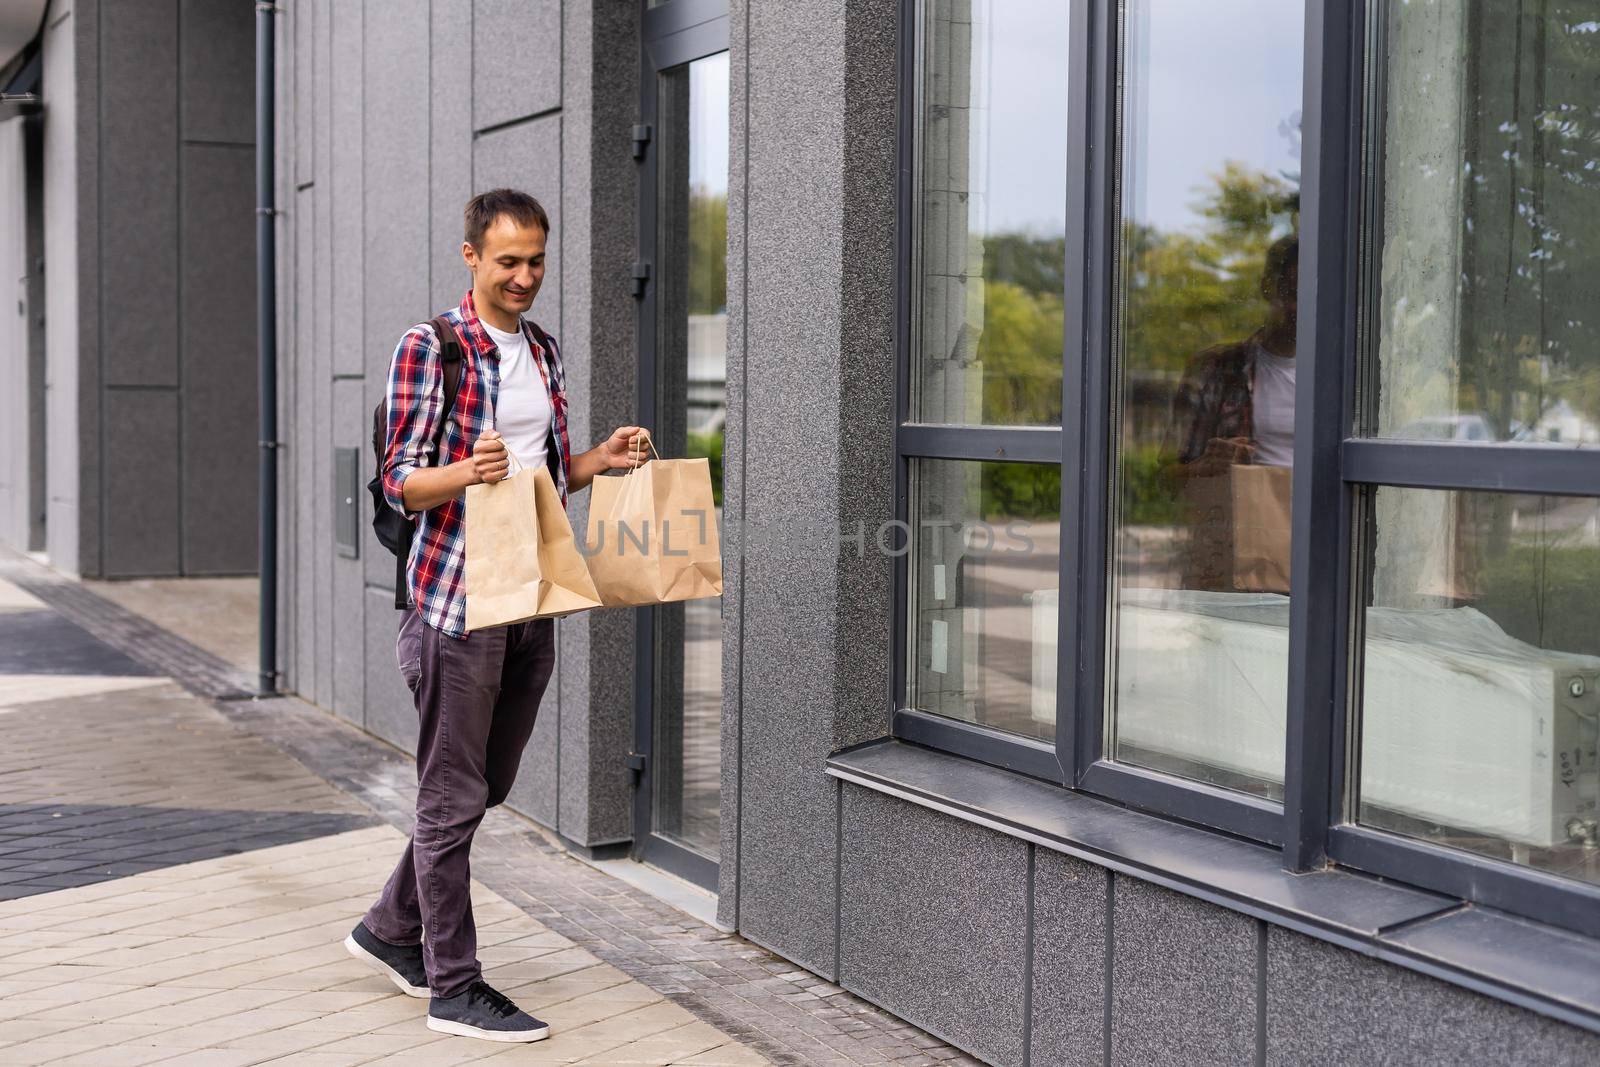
{"x":1037,"y":759}
{"x":1193,"y":802}
{"x":690,"y":44}
{"x":1091,"y":471}
{"x":1013,"y":444}
{"x":1549,"y":898}
{"x":1321,"y":527}
{"x":1556,"y":469}
{"x":1560,"y":966}
{"x":1075,"y":349}
{"x":347,"y":501}
{"x":664,"y":20}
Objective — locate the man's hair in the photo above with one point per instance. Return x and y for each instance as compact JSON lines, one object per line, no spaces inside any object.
{"x":519,"y":207}
{"x":1282,"y":255}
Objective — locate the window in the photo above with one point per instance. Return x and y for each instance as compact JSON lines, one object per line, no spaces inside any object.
{"x":1272,"y":328}
{"x":980,"y":437}
{"x":1476,"y":540}
{"x":1204,"y":391}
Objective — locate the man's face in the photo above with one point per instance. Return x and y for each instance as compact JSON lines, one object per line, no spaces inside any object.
{"x":508,"y":268}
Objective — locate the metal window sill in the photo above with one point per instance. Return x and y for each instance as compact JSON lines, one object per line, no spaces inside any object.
{"x":1544,"y":969}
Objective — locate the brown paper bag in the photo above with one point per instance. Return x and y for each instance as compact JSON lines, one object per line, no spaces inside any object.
{"x":522,"y":561}
{"x":1261,"y":502}
{"x":1239,"y":530}
{"x":653,"y":534}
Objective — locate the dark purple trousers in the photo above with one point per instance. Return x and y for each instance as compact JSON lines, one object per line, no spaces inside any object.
{"x":477,"y":698}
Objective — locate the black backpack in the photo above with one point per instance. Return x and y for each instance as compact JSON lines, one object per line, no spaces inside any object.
{"x":393,"y":529}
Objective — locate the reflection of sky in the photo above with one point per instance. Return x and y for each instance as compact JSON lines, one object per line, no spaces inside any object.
{"x":1020,"y":154}
{"x":1207,"y":82}
{"x":1219,"y":81}
{"x":708,"y":124}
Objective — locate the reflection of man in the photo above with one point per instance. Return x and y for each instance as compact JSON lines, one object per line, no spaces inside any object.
{"x":1233,"y":415}
{"x":1236,"y":402}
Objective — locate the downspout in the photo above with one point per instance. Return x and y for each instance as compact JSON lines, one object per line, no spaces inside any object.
{"x":267,"y":347}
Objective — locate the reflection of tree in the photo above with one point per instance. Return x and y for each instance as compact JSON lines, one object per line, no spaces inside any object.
{"x":708,"y":251}
{"x":1531,"y":238}
{"x":1187,"y":291}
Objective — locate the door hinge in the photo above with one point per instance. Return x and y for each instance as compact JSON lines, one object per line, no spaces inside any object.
{"x":636,"y":762}
{"x":641,"y":275}
{"x":641,"y":139}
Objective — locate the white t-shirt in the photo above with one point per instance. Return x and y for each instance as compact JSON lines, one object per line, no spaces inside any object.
{"x":1273,"y":404}
{"x":522,"y":411}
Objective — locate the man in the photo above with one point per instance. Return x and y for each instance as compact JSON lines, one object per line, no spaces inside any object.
{"x":477,"y":693}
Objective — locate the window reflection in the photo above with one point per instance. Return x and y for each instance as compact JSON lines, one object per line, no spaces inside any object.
{"x":1481,"y":675}
{"x":1487,"y":314}
{"x":990,"y":241}
{"x":1205,"y":390}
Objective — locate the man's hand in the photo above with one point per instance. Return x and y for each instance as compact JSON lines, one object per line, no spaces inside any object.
{"x":628,"y":446}
{"x":1220,"y":454}
{"x":490,"y":460}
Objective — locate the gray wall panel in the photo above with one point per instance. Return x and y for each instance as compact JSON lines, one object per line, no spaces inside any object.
{"x":516,"y":59}
{"x":347,"y":610}
{"x":796,"y":160}
{"x":396,"y":214}
{"x":1069,"y":960}
{"x":1183,"y":983}
{"x":348,"y":121}
{"x":319,"y":489}
{"x":595,"y":244}
{"x":218,"y":43}
{"x":302,"y":60}
{"x":933,"y":917}
{"x":733,"y":483}
{"x":65,"y":173}
{"x":802,"y":145}
{"x":528,"y":157}
{"x":450,"y":186}
{"x":1328,"y":1005}
{"x":391,"y":713}
{"x":137,"y":272}
{"x":141,"y":483}
{"x":298,"y":428}
{"x":218,"y":339}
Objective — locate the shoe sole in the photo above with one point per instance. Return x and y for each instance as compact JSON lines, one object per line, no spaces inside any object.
{"x":445,"y":1026}
{"x":353,"y":947}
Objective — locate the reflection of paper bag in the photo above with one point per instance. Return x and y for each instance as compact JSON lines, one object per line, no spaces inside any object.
{"x":1239,"y":530}
{"x":522,"y":561}
{"x":653,"y":534}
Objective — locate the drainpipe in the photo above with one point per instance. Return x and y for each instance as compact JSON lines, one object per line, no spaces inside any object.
{"x":267,"y":347}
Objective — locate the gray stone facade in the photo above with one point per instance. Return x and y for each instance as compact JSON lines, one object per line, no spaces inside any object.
{"x":142,"y":456}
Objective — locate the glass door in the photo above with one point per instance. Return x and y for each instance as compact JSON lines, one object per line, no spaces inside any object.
{"x":683,"y":333}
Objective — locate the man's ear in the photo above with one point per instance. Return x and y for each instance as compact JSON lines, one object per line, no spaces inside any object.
{"x":469,"y":255}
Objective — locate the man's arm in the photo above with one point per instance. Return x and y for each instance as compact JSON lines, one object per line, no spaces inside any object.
{"x":416,"y":404}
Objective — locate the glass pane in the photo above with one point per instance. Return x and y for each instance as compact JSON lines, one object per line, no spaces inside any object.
{"x":1480,"y":676}
{"x":1487,"y":225}
{"x":691,"y":405}
{"x":1205,"y":410}
{"x":991,"y":210}
{"x":985,"y":549}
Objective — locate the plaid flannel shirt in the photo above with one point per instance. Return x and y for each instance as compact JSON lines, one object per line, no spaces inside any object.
{"x":1215,"y":399}
{"x":434,"y":571}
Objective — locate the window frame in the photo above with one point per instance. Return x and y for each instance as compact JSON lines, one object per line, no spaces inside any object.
{"x":1342,"y":137}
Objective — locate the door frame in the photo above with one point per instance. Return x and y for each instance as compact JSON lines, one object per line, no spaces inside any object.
{"x":671,"y":34}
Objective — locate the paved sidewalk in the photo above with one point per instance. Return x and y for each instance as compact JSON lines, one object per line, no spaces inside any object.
{"x":259,"y":832}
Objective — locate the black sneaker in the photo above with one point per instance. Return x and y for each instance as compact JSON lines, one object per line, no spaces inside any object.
{"x":401,"y":964}
{"x":483,"y":1011}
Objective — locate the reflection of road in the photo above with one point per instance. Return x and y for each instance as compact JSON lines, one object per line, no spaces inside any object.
{"x":998,"y":636}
